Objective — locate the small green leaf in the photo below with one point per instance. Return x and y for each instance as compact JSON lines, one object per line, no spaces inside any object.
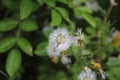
{"x":63,"y":1}
{"x":64,"y":13}
{"x":7,"y":24}
{"x":113,"y":62}
{"x":56,"y":18}
{"x":74,"y":49}
{"x":114,"y":68}
{"x":28,"y":25}
{"x":40,"y":2}
{"x":90,"y":19}
{"x":13,"y":62}
{"x":91,"y":31}
{"x":51,"y":3}
{"x":41,"y":49}
{"x":7,"y":44}
{"x":13,"y":5}
{"x":84,"y":9}
{"x":25,"y":46}
{"x":26,"y":7}
{"x":47,"y":30}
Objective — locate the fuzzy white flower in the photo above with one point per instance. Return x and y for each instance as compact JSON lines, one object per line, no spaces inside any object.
{"x":79,"y":37}
{"x":87,"y":74}
{"x":60,"y":39}
{"x":52,"y":52}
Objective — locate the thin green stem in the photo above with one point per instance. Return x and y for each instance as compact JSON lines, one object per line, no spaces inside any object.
{"x":18,"y":33}
{"x":99,"y":34}
{"x":18,"y":30}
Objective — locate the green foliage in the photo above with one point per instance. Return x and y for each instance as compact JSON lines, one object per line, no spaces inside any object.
{"x":56,"y":18}
{"x":64,"y":13}
{"x":91,"y":20}
{"x":13,"y":62}
{"x":41,"y":49}
{"x":7,"y":24}
{"x":13,"y":5}
{"x":25,"y":27}
{"x":6,"y":44}
{"x":28,"y":25}
{"x":25,"y":46}
{"x":113,"y":64}
{"x":40,"y":2}
{"x":26,"y":7}
{"x":90,"y":30}
{"x":50,"y":3}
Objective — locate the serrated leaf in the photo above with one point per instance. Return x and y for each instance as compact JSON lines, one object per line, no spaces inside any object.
{"x":28,"y":25}
{"x":26,"y":7}
{"x":25,"y":46}
{"x":13,"y":62}
{"x":90,"y":19}
{"x":6,"y":44}
{"x":41,"y":49}
{"x":56,"y":18}
{"x":7,"y":24}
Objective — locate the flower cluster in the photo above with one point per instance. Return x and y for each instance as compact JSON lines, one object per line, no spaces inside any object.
{"x":60,"y":40}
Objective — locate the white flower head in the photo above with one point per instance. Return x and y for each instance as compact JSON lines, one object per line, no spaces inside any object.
{"x":79,"y":37}
{"x":87,"y":74}
{"x":60,"y":39}
{"x":52,"y":52}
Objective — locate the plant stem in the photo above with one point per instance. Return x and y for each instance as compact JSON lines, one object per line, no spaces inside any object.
{"x":99,"y":34}
{"x":18,"y":30}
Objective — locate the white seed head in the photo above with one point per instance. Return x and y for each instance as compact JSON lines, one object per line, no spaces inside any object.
{"x":61,"y":39}
{"x":87,"y":74}
{"x":52,"y":52}
{"x":79,"y":37}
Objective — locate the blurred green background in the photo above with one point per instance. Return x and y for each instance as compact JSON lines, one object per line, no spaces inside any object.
{"x":25,"y":26}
